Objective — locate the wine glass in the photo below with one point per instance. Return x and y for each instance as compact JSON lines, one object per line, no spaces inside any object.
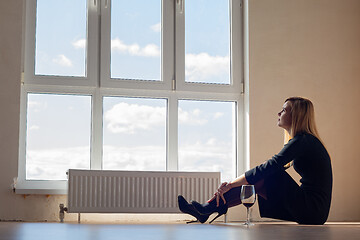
{"x":248,"y":198}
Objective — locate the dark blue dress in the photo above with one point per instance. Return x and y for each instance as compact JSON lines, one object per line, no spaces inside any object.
{"x":308,"y":203}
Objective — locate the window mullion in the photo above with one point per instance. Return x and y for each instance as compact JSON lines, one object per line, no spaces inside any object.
{"x":94,"y":70}
{"x":236,"y":44}
{"x":168,"y":43}
{"x":179,"y":46}
{"x":96,"y":130}
{"x":93,"y":46}
{"x":105,"y":48}
{"x":172,"y":133}
{"x":170,"y":71}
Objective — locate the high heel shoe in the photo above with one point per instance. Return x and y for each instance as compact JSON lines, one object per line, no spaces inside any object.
{"x":210,"y":208}
{"x":185,"y":207}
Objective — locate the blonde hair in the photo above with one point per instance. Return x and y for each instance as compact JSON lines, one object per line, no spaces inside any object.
{"x":303,"y":116}
{"x":303,"y":120}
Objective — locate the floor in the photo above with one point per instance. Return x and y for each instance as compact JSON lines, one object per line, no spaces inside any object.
{"x":181,"y":231}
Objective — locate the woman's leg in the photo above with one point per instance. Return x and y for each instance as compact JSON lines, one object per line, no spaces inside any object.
{"x":232,"y":197}
{"x":260,"y":189}
{"x":284,"y":198}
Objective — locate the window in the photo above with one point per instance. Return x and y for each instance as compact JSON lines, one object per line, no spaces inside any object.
{"x":60,"y":38}
{"x":207,"y":42}
{"x":130,"y":85}
{"x":58,"y":135}
{"x":206,"y":137}
{"x":134,"y":134}
{"x":136,"y":40}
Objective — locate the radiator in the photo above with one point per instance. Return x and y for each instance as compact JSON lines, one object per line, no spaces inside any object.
{"x":99,"y":191}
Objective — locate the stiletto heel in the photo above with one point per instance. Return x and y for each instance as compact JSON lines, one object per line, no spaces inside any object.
{"x":219,"y":214}
{"x":185,"y":207}
{"x":210,"y":208}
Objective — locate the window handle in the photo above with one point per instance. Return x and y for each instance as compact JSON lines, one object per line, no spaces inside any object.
{"x":181,"y":4}
{"x":106,"y":3}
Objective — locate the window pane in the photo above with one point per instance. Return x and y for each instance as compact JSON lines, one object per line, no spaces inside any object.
{"x":58,"y":135}
{"x":207,"y":137}
{"x":136,"y":39}
{"x":134,"y":134}
{"x":61,"y":37}
{"x":207,"y":41}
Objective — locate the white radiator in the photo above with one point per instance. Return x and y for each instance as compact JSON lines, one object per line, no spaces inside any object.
{"x":99,"y":191}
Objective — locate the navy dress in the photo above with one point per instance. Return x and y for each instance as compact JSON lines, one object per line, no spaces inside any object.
{"x":308,"y":203}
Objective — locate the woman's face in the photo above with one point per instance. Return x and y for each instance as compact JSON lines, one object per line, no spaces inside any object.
{"x":285,"y":119}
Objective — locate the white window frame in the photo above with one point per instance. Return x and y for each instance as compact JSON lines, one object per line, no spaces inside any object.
{"x":90,"y":80}
{"x":98,"y":83}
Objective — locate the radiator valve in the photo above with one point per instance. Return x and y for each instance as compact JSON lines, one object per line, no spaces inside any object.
{"x":62,"y":212}
{"x":13,"y":185}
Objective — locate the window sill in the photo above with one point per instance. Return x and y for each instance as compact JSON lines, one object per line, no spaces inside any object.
{"x":41,"y":187}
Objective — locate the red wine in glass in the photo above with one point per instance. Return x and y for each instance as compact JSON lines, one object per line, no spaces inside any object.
{"x":248,"y":198}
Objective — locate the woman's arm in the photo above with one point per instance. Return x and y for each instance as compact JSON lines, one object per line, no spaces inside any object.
{"x":239,"y":181}
{"x":294,"y":148}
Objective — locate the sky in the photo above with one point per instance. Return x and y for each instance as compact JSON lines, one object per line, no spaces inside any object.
{"x":134,"y":129}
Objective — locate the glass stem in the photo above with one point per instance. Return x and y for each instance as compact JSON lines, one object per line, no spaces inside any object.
{"x":248,"y":216}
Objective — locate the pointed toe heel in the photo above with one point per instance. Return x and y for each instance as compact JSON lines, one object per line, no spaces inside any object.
{"x":185,"y":207}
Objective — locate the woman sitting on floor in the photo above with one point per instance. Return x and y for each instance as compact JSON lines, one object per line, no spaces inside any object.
{"x":280,"y":197}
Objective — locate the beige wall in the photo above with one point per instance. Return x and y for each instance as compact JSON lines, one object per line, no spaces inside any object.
{"x":297,"y":47}
{"x":309,"y":48}
{"x":10,"y":63}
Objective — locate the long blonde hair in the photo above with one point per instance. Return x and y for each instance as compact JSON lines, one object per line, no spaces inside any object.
{"x":303,"y":119}
{"x":303,"y":116}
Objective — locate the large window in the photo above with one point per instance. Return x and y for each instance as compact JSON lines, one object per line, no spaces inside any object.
{"x":130,"y":85}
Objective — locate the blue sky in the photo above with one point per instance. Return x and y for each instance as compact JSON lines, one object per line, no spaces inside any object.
{"x":58,"y":127}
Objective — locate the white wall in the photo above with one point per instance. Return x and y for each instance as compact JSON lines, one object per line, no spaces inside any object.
{"x":309,"y":48}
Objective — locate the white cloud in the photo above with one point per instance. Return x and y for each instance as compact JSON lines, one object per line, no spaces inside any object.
{"x":34,"y":127}
{"x":156,"y":27}
{"x":212,"y":155}
{"x":52,"y":164}
{"x":199,"y":67}
{"x":37,"y":106}
{"x":150,"y":50}
{"x":79,"y":44}
{"x":135,"y":158}
{"x":191,"y":118}
{"x":218,"y":115}
{"x":62,"y":60}
{"x":128,"y":118}
{"x":33,"y":104}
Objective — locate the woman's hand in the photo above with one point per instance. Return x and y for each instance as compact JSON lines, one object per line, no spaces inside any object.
{"x":223,"y":188}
